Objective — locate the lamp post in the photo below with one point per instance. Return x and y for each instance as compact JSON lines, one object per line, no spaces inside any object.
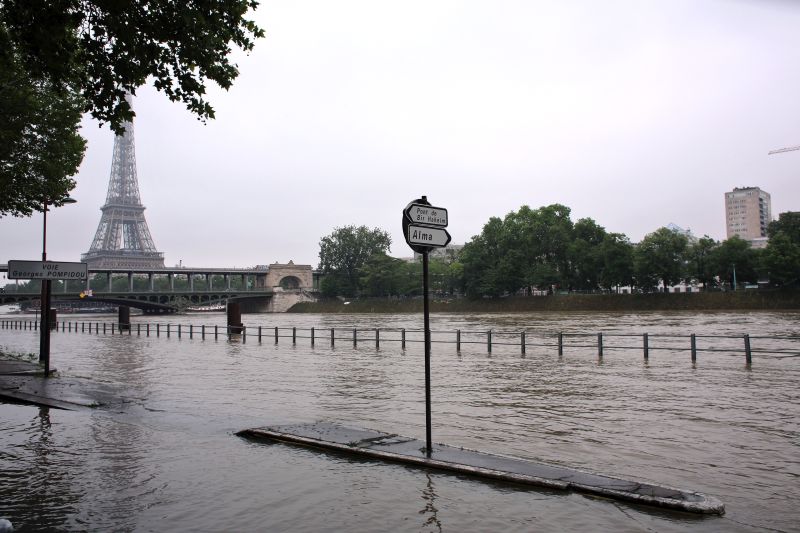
{"x":44,"y":306}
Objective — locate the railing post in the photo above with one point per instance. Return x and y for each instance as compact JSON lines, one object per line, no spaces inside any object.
{"x":458,"y":341}
{"x":244,"y":334}
{"x":377,"y":338}
{"x":191,"y":331}
{"x":560,"y":343}
{"x":489,"y":341}
{"x":104,"y":328}
{"x":276,"y":334}
{"x":403,"y":338}
{"x":216,"y":332}
{"x":169,"y":327}
{"x":522,"y":342}
{"x":138,"y":330}
{"x":747,"y":353}
{"x":203,"y":332}
{"x":294,"y":335}
{"x":147,"y":329}
{"x":158,"y":330}
{"x":646,"y":346}
{"x":179,"y":331}
{"x":312,"y":335}
{"x":83,"y":327}
{"x":600,"y":345}
{"x":355,"y":337}
{"x":694,"y":347}
{"x":333,"y":336}
{"x":259,"y":334}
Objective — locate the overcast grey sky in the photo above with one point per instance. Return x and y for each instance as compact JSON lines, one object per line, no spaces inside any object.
{"x":635,"y":113}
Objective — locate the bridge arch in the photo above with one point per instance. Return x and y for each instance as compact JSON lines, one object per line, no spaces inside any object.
{"x":290,"y":283}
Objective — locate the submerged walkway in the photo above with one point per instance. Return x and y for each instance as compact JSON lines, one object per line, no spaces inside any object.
{"x":24,"y":382}
{"x":390,"y":447}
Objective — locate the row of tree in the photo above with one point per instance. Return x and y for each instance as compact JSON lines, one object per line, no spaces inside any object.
{"x":543,"y":249}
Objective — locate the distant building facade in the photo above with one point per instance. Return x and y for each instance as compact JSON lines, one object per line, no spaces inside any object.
{"x":748,"y":212}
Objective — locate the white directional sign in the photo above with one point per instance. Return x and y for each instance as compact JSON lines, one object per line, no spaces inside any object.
{"x":427,"y":215}
{"x":425,"y":236}
{"x":47,"y":270}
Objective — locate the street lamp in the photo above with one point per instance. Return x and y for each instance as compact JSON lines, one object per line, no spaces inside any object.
{"x":44,"y":306}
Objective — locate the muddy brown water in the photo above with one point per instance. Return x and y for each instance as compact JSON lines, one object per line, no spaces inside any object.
{"x":168,"y":459}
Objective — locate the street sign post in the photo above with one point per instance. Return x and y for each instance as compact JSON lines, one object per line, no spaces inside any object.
{"x":423,"y":228}
{"x":46,"y":271}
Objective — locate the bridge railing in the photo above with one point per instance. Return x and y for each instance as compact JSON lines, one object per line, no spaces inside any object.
{"x":458,"y":341}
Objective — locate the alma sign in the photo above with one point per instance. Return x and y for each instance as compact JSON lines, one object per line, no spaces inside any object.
{"x":423,"y":226}
{"x":425,"y":236}
{"x":47,"y":270}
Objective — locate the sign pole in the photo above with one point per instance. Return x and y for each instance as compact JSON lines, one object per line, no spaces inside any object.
{"x":424,"y":229}
{"x":44,"y":301}
{"x":426,"y":312}
{"x":46,"y":325}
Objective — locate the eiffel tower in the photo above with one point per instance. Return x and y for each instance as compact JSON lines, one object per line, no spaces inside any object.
{"x":123,"y":239}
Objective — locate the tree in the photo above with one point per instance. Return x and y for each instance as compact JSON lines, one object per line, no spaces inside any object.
{"x":701,"y":260}
{"x":382,"y":275}
{"x":781,"y":258}
{"x":585,"y":254}
{"x":40,"y":148}
{"x":736,"y":255}
{"x":788,"y":223}
{"x":660,"y":257}
{"x":616,"y":251}
{"x":101,"y":50}
{"x":60,"y":58}
{"x":345,"y":251}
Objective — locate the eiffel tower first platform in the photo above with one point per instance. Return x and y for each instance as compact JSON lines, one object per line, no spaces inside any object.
{"x":123,"y":239}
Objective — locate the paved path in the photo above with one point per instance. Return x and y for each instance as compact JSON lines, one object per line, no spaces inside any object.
{"x":390,"y":447}
{"x":24,"y":382}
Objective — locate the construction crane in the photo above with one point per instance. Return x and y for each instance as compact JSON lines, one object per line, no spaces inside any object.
{"x":781,"y":150}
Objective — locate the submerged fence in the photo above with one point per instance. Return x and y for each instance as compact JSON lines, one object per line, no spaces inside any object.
{"x":557,"y":343}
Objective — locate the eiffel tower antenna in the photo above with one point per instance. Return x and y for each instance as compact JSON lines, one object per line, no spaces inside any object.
{"x":123,"y":239}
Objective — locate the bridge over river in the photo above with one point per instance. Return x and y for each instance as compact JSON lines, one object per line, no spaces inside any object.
{"x":274,"y":287}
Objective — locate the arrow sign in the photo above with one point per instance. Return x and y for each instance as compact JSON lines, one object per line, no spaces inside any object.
{"x":426,"y":214}
{"x":425,"y":236}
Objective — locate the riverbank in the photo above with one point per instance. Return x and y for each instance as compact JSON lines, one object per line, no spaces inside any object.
{"x":704,"y":301}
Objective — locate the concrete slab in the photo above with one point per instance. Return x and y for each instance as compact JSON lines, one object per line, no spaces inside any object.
{"x":390,"y":447}
{"x":55,"y":391}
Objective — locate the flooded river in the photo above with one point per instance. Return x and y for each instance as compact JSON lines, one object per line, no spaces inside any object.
{"x":167,"y":458}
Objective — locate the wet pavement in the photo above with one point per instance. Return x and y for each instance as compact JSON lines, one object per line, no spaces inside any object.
{"x":24,"y":382}
{"x":407,"y":450}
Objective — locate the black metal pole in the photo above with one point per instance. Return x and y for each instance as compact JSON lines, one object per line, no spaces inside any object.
{"x":46,"y":324}
{"x":44,"y":302}
{"x":426,"y":312}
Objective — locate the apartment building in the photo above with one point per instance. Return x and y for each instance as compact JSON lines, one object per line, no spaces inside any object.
{"x":748,"y":212}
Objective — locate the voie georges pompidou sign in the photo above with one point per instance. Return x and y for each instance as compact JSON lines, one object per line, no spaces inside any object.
{"x":53,"y":270}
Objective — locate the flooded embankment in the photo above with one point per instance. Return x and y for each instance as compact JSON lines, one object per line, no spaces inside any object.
{"x":167,"y":458}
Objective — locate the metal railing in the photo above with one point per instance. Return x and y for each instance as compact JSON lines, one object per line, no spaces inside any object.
{"x":775,"y":346}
